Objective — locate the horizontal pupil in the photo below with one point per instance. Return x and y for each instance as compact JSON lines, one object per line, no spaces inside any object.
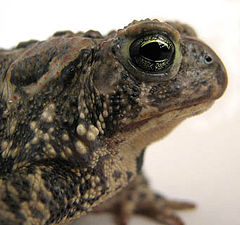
{"x":155,"y":51}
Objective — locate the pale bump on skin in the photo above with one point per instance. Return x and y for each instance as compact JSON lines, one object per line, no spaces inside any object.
{"x":65,"y":137}
{"x":81,"y":130}
{"x":105,"y":111}
{"x":99,"y":126}
{"x":63,"y":155}
{"x":81,"y":147}
{"x":39,"y":134}
{"x":50,"y":151}
{"x":68,"y":151}
{"x":14,"y":152}
{"x":35,"y":140}
{"x":46,"y":137}
{"x":13,"y":126}
{"x":82,"y":115}
{"x":33,"y":125}
{"x":48,"y":113}
{"x":20,"y":165}
{"x":5,"y":147}
{"x":92,"y":133}
{"x":51,"y":129}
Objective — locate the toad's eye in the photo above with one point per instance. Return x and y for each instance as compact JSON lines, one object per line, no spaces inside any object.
{"x":152,"y":53}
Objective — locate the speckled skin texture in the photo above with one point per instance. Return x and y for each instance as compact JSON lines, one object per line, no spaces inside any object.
{"x":76,"y":114}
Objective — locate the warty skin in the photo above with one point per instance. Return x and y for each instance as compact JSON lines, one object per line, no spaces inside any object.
{"x":76,"y":112}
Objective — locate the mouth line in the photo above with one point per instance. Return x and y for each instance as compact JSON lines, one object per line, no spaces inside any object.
{"x":201,"y":108}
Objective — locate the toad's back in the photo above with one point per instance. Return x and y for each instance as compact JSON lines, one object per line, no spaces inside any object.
{"x":78,"y":110}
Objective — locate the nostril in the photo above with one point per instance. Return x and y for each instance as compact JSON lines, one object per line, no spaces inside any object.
{"x":208,"y":59}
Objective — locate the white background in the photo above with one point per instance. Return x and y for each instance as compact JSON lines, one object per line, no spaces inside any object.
{"x":200,"y":160}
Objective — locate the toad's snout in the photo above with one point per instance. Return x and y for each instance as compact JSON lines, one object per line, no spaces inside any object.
{"x":208,"y":65}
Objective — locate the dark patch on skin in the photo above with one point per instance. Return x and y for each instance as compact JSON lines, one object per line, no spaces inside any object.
{"x":42,"y":197}
{"x":23,"y":187}
{"x":158,"y":196}
{"x":23,"y":135}
{"x":118,"y":187}
{"x":68,"y":72}
{"x":62,"y":33}
{"x":93,"y":34}
{"x":6,"y":166}
{"x":133,"y":126}
{"x":99,"y":171}
{"x":129,"y":197}
{"x":139,"y":160}
{"x":36,"y":213}
{"x":75,"y":66}
{"x":31,"y":69}
{"x":11,"y":203}
{"x":116,"y":174}
{"x":142,"y":195}
{"x":26,"y":44}
{"x":129,"y":175}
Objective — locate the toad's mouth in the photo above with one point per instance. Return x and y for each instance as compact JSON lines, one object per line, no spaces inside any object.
{"x":168,"y":116}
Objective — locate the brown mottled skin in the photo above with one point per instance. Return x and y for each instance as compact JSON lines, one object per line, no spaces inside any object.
{"x":78,"y":110}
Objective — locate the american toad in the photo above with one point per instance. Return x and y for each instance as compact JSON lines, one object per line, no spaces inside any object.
{"x":78,"y":110}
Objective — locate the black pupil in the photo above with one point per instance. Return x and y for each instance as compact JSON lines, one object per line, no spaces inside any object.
{"x":155,"y":51}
